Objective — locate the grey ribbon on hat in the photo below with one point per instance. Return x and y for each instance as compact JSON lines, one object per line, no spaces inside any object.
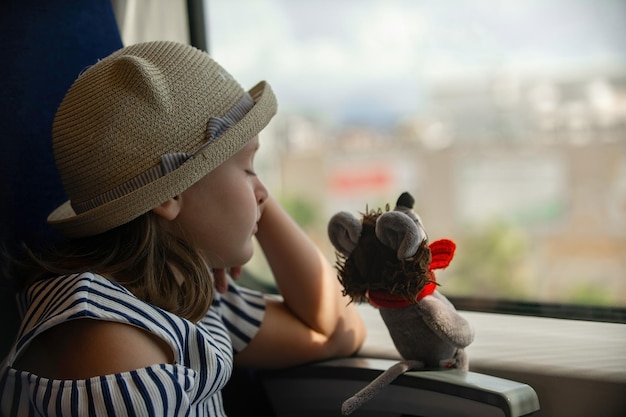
{"x":171,"y":161}
{"x":215,"y":128}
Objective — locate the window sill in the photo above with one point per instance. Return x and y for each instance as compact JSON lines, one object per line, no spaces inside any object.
{"x":577,"y":368}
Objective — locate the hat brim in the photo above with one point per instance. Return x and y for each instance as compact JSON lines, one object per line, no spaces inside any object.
{"x":134,"y":204}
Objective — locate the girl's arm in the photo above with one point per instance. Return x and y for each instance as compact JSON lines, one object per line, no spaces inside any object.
{"x":313,"y":321}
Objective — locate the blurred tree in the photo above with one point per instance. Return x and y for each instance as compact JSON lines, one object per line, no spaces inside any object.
{"x":490,"y":263}
{"x":304,"y":212}
{"x":591,"y":294}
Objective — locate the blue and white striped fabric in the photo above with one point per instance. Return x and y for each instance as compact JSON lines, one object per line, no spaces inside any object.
{"x":189,"y":387}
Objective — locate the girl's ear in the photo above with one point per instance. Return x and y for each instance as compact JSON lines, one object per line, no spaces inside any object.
{"x":169,"y":209}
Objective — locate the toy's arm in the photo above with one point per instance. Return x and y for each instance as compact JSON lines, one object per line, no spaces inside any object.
{"x":443,"y":319}
{"x":443,"y":299}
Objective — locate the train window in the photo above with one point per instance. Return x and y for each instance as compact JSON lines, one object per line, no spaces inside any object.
{"x":506,"y":120}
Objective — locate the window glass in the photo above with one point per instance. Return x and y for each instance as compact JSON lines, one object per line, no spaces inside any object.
{"x":505,"y":119}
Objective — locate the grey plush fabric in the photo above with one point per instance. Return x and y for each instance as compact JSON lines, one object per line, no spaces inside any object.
{"x":427,"y":331}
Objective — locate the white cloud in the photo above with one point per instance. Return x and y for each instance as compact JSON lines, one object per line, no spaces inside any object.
{"x":332,"y":52}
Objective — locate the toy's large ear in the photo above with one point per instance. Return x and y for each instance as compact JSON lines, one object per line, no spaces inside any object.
{"x":344,"y":231}
{"x":399,"y":232}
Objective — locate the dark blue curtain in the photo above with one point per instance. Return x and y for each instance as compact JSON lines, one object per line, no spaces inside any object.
{"x":44,"y":45}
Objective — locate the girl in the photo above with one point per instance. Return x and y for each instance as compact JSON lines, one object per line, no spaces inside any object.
{"x":135,"y":313}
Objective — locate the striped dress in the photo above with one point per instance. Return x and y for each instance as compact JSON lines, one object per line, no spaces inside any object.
{"x":190,"y":387}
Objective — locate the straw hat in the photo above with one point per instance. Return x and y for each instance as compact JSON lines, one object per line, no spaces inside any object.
{"x":143,"y":125}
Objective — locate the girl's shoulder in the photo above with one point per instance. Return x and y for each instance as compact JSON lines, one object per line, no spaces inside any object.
{"x":58,"y":300}
{"x":82,"y":349}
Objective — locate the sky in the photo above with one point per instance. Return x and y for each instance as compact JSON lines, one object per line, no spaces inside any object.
{"x":369,"y":58}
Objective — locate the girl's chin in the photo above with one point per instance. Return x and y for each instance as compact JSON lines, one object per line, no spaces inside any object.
{"x":230,"y":260}
{"x":241,"y":260}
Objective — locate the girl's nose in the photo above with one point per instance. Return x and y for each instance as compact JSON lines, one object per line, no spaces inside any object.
{"x":261,"y":192}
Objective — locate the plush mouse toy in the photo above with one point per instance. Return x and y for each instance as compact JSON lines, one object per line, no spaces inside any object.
{"x":385,"y":259}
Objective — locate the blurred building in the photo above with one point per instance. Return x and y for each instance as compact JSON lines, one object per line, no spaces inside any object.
{"x":546,"y":156}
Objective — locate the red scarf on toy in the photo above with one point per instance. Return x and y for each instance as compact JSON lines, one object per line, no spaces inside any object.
{"x":442,"y":252}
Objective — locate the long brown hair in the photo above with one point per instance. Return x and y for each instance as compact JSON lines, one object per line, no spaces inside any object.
{"x":143,"y":255}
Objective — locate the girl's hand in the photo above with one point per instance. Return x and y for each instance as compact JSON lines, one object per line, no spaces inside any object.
{"x":219,"y":276}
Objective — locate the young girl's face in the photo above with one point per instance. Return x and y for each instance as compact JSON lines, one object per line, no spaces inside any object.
{"x":220,"y":212}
